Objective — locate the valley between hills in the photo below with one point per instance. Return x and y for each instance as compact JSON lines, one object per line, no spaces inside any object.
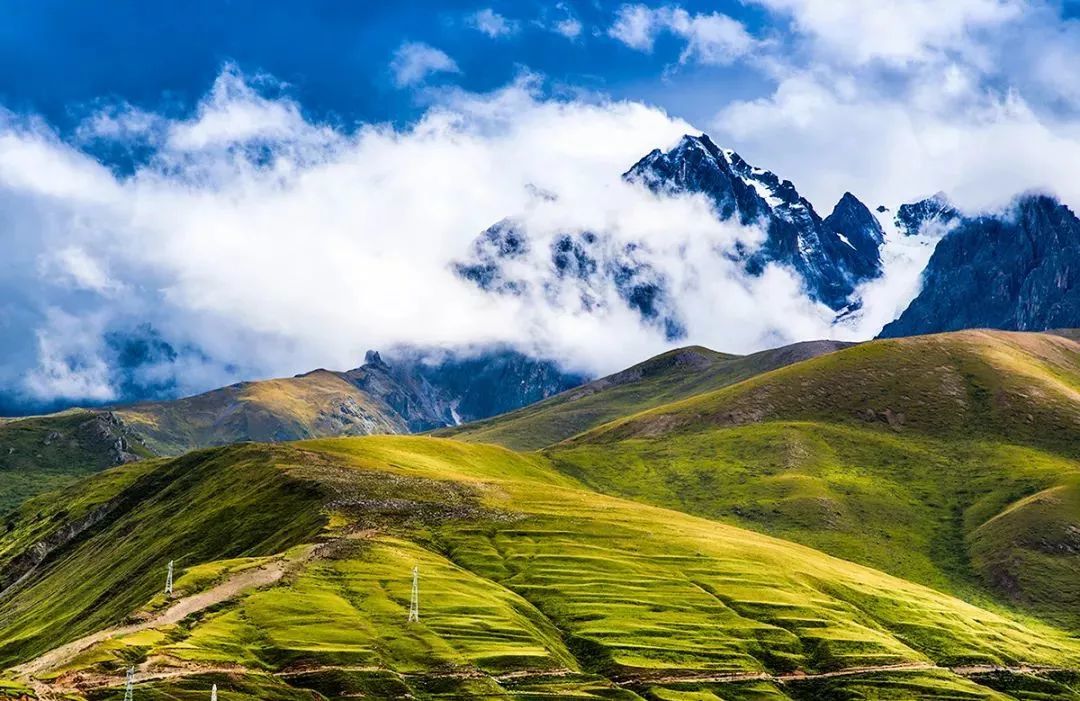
{"x":898,"y":519}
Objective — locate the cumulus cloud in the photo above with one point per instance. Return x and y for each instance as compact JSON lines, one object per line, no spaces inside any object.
{"x":414,"y":61}
{"x":567,"y":25}
{"x":490,"y":22}
{"x":894,"y":31}
{"x":711,"y":39}
{"x":938,"y":130}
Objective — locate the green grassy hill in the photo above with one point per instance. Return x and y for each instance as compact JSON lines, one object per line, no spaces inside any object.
{"x":294,"y":571}
{"x":319,"y":403}
{"x":43,"y":453}
{"x":418,"y":390}
{"x":669,"y":377}
{"x":950,"y":460}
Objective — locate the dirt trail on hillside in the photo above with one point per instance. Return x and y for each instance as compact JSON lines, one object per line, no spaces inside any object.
{"x":253,"y":578}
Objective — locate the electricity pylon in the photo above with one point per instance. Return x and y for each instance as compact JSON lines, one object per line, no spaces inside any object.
{"x":168,"y":580}
{"x":414,"y":602}
{"x":129,"y":686}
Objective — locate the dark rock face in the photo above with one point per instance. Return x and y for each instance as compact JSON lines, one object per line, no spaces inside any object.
{"x":935,"y":211}
{"x":1018,"y":271}
{"x":585,"y":263}
{"x":431,"y":389}
{"x":500,"y":242}
{"x":861,"y":234}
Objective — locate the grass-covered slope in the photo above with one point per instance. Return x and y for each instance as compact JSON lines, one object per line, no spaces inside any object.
{"x":669,"y":377}
{"x":949,"y":460}
{"x":43,"y":453}
{"x":1023,"y":387}
{"x":319,"y":403}
{"x":531,"y":586}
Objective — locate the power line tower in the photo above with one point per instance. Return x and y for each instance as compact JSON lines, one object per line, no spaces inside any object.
{"x":414,"y":602}
{"x":213,"y":693}
{"x":129,"y":686}
{"x":168,"y":580}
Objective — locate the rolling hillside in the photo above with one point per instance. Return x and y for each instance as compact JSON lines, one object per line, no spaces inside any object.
{"x":294,"y":572}
{"x":950,"y":460}
{"x":417,"y":390}
{"x":320,"y":403}
{"x":42,"y":453}
{"x":674,"y":375}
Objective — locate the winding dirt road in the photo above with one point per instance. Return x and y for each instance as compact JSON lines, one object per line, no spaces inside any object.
{"x":253,"y":578}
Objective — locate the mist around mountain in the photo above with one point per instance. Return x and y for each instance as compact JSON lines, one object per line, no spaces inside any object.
{"x":1012,"y":269}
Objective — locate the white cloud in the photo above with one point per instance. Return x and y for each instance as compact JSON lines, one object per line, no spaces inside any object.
{"x":235,"y":112}
{"x":272,"y":261}
{"x":492,"y":23}
{"x":570,"y":27}
{"x":636,"y":26}
{"x":120,"y":121}
{"x":76,"y":266}
{"x":414,"y":61}
{"x":711,"y":39}
{"x":894,"y":31}
{"x":70,"y":365}
{"x":936,"y":132}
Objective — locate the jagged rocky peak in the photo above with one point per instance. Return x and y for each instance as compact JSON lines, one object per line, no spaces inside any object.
{"x":831,"y":257}
{"x":696,"y":164}
{"x":859,"y":229}
{"x":372,"y":357}
{"x":933,"y":215}
{"x":1017,"y":270}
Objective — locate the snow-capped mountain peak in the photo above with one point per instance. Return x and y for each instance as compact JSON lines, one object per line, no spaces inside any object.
{"x":830,"y":266}
{"x":831,"y":256}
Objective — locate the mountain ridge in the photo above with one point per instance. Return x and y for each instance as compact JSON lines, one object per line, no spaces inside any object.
{"x":1018,"y":271}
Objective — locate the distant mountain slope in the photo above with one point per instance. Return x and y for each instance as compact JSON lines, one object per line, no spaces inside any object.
{"x":294,"y":578}
{"x":1018,"y":271}
{"x":320,"y":403}
{"x":416,"y":391}
{"x":952,"y":460}
{"x":42,"y":453}
{"x":419,"y":389}
{"x":668,"y":377}
{"x":1016,"y":386}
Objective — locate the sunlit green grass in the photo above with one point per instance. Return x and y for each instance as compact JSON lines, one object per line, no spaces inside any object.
{"x":668,"y":377}
{"x":523,"y":569}
{"x":906,"y":504}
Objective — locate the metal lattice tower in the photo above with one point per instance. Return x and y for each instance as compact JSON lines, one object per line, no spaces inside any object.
{"x":129,"y":686}
{"x":414,"y":602}
{"x":168,"y":580}
{"x":213,"y":693}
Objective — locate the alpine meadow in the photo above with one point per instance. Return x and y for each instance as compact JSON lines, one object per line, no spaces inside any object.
{"x":441,"y":351}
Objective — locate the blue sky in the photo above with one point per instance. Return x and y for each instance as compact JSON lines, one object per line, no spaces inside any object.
{"x":196,"y":193}
{"x":61,"y":58}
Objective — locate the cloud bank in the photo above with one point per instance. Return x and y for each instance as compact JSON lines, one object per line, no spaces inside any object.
{"x":254,"y":241}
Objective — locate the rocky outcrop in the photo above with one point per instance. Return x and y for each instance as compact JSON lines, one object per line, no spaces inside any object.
{"x":1019,"y":270}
